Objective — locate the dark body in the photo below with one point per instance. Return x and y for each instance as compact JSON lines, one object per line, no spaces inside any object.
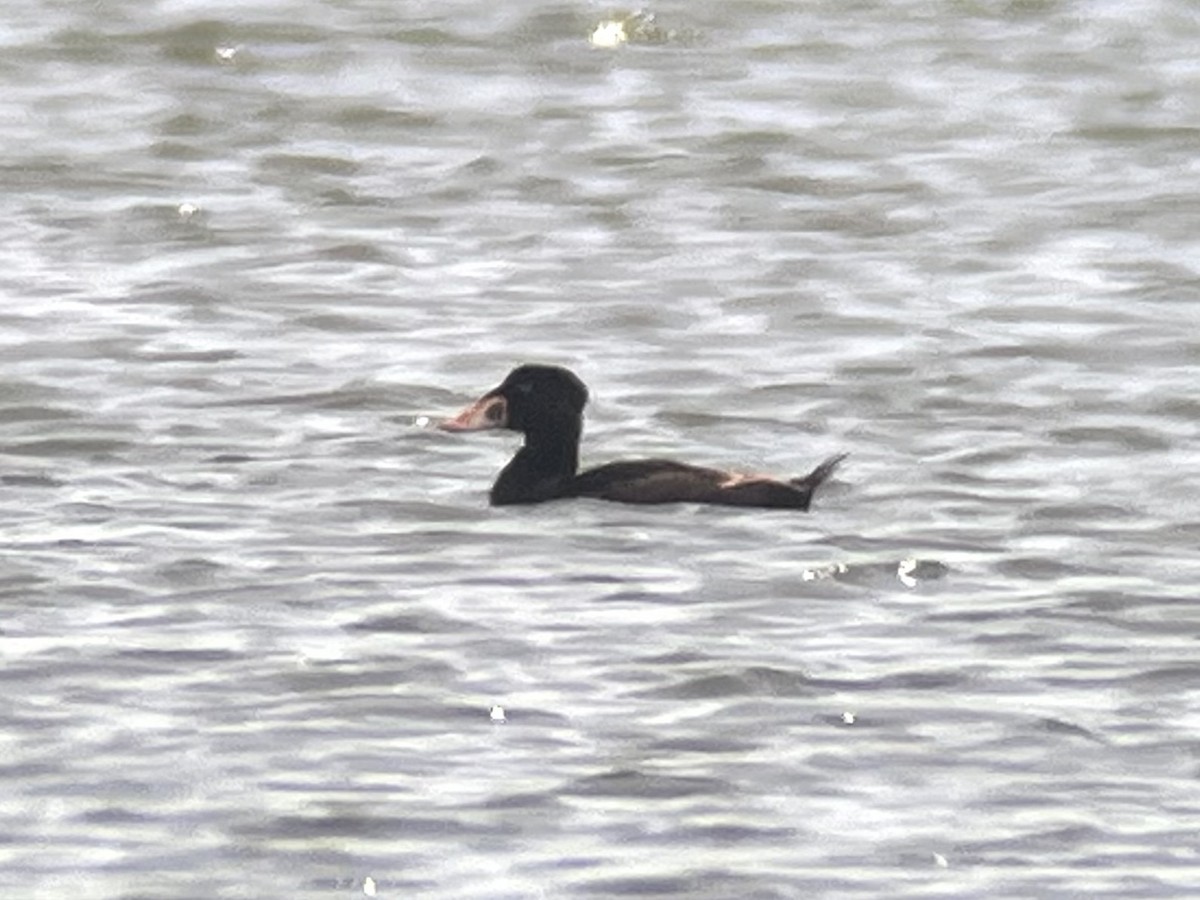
{"x":546,"y":403}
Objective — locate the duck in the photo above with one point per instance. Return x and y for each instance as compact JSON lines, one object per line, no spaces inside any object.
{"x":545,"y":404}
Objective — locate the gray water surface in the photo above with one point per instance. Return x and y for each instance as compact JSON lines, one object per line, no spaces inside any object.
{"x":256,"y":611}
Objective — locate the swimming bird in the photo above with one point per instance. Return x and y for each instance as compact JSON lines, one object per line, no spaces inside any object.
{"x":545,"y":404}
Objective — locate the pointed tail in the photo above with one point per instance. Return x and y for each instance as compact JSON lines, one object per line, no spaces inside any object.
{"x":813,"y":479}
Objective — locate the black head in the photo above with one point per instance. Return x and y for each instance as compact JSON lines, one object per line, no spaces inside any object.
{"x":534,"y":392}
{"x":532,"y":398}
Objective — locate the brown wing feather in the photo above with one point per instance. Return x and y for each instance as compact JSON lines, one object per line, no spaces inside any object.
{"x":648,"y":481}
{"x":667,"y":481}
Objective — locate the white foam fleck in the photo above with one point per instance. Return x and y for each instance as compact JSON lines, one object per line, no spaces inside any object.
{"x":609,"y":34}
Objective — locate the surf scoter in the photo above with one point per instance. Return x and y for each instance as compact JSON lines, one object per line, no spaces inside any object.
{"x":545,"y":403}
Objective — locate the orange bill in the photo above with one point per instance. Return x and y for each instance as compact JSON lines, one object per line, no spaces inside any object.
{"x":488,"y":412}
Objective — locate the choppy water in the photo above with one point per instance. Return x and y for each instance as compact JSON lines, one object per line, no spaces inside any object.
{"x":255,"y":615}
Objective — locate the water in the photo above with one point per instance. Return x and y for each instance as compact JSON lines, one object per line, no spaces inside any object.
{"x":256,"y":612}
